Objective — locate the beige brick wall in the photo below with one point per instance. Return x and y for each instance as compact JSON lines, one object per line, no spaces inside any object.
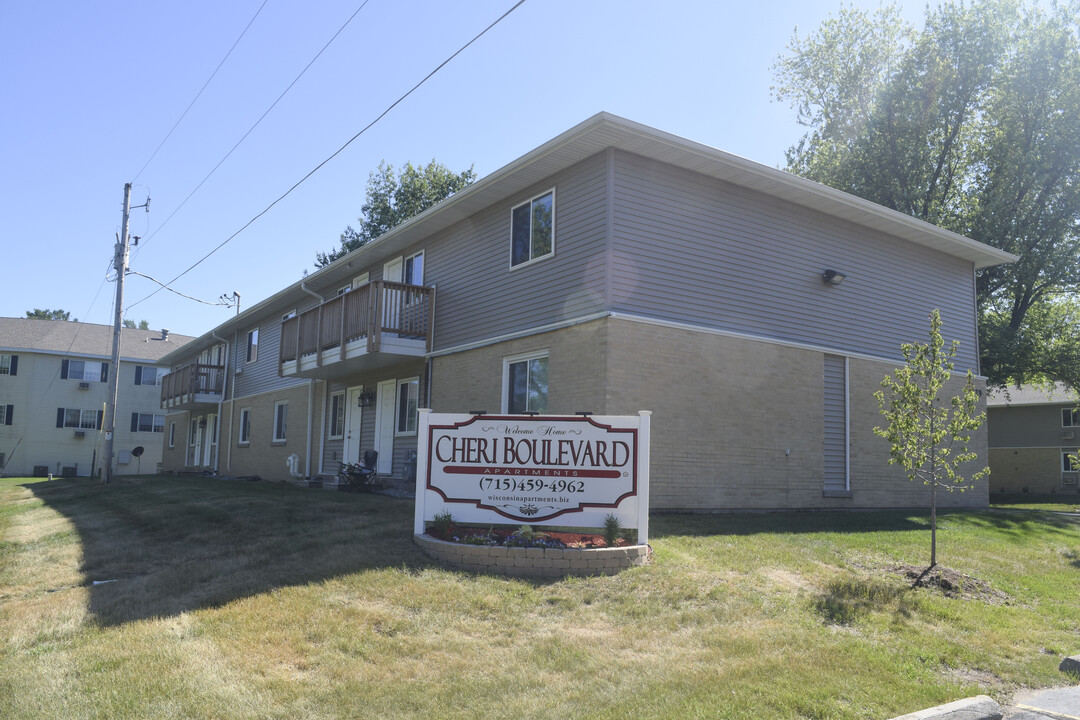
{"x":1033,"y":470}
{"x":262,"y":456}
{"x":737,"y":423}
{"x":472,"y":380}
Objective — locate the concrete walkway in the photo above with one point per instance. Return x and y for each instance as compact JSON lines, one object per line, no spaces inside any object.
{"x":1054,"y":704}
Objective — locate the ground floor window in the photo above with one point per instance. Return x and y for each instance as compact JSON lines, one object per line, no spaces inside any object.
{"x":1068,"y":460}
{"x":245,"y":426}
{"x":281,"y":414}
{"x":408,"y":395}
{"x":337,"y":415}
{"x":172,"y":434}
{"x":525,"y":383}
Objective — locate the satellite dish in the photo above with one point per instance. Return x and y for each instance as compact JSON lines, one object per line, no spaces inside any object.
{"x":138,"y":451}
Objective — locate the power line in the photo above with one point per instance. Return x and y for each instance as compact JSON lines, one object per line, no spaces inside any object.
{"x":166,"y":287}
{"x":335,"y":154}
{"x":199,"y":94}
{"x":261,"y":117}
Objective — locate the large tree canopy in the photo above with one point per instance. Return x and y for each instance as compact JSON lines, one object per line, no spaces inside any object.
{"x":46,"y":314}
{"x":973,"y":124}
{"x":394,"y":198}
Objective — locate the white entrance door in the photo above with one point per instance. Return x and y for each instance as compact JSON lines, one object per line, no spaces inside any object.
{"x":353,"y":453}
{"x":384,"y":425}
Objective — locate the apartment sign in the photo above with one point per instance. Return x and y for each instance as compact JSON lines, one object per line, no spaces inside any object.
{"x":567,"y":470}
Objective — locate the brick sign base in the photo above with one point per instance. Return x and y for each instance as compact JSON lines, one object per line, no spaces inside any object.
{"x":533,"y":562}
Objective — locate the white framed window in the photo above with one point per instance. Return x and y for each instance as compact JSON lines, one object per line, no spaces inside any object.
{"x":1070,"y":417}
{"x":289,"y":315}
{"x":172,"y":435}
{"x":408,"y":398}
{"x":147,"y":422}
{"x":532,"y":229}
{"x":77,"y":418}
{"x":344,"y":289}
{"x":337,"y":415}
{"x":193,"y":430}
{"x":414,"y":269}
{"x":525,"y":383}
{"x":86,"y":370}
{"x":9,"y":364}
{"x":148,"y":375}
{"x":253,"y":345}
{"x":244,"y":436}
{"x":7,"y":413}
{"x":281,"y":417}
{"x":1068,"y":464}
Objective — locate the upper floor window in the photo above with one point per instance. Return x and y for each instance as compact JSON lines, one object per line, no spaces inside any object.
{"x":533,"y":229}
{"x":414,"y":269}
{"x":148,"y":375}
{"x":253,"y":345}
{"x":84,"y":370}
{"x":78,"y":419}
{"x":147,"y":422}
{"x":9,"y":364}
{"x":7,"y":414}
{"x":1070,"y":417}
{"x":525,"y":383}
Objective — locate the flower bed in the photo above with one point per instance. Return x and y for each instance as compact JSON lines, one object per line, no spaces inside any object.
{"x":535,"y":554}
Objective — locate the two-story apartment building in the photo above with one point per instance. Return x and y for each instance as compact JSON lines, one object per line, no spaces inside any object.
{"x":615,"y":268}
{"x":54,"y":379}
{"x":1033,"y":432}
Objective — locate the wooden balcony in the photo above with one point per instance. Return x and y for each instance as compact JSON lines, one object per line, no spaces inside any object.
{"x":375,"y":325}
{"x":193,"y":385}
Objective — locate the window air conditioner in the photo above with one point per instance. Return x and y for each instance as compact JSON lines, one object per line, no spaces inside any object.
{"x":84,"y":386}
{"x":80,"y":433}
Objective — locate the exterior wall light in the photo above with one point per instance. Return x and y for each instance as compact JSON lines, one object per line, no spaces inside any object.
{"x":833,"y":277}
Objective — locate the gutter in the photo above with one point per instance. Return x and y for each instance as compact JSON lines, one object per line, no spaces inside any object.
{"x":310,"y":394}
{"x":224,"y":381}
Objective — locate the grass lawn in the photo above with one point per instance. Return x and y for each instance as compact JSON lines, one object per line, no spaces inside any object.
{"x":1026,"y":501}
{"x":199,"y":598}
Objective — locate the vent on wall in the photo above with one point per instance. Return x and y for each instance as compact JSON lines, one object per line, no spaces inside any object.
{"x":84,"y":386}
{"x":1068,"y":480}
{"x":80,"y":433}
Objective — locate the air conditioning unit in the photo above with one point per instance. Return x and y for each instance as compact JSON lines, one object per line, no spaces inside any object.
{"x":80,"y":433}
{"x":84,"y":386}
{"x":1068,"y":480}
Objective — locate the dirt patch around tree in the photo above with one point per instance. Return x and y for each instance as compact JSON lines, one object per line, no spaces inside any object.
{"x":951,"y":583}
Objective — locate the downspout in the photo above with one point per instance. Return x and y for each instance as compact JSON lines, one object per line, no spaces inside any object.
{"x":431,"y":347}
{"x":221,"y":399}
{"x":311,"y":390}
{"x":232,"y":407}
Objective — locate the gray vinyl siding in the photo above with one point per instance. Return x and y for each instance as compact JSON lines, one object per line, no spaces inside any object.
{"x":692,"y":249}
{"x":1029,"y":426}
{"x":479,"y":296}
{"x":836,"y":424}
{"x":262,"y":375}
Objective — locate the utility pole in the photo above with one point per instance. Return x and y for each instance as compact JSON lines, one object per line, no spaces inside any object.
{"x":120,"y":262}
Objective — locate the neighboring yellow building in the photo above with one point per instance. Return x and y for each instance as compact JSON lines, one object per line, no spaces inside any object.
{"x":54,"y":379}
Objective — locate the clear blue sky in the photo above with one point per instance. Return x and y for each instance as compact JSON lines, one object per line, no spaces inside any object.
{"x":91,"y":88}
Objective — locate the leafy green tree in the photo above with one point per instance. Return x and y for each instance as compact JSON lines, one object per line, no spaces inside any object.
{"x":929,"y":432}
{"x":143,"y":324}
{"x":973,"y":124}
{"x":392,"y":198}
{"x":39,"y":314}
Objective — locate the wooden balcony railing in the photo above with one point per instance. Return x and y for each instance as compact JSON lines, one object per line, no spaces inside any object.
{"x":367,"y":312}
{"x":183,"y":384}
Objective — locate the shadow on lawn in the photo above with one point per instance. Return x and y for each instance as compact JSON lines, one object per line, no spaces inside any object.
{"x":160,"y":546}
{"x":1016,"y":522}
